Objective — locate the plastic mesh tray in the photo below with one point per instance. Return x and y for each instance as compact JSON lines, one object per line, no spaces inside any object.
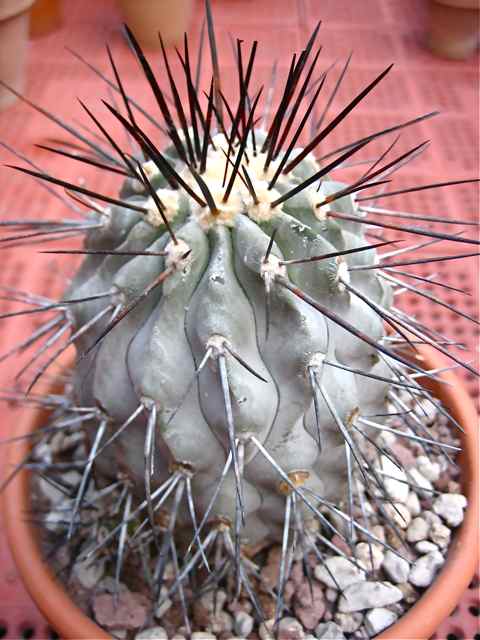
{"x":378,"y":32}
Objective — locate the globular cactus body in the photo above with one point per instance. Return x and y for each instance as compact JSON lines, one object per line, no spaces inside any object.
{"x":212,"y":309}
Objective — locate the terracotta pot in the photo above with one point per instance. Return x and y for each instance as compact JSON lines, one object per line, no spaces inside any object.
{"x":454,"y":28}
{"x":420,"y":622}
{"x":14,"y":19}
{"x":148,"y":17}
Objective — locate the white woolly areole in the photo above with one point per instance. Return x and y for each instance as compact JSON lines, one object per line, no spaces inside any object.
{"x":170,"y":200}
{"x":181,"y":134}
{"x":215,"y":168}
{"x":272,"y":268}
{"x":262,"y":211}
{"x":217,"y":344}
{"x":256,"y":166}
{"x":226,"y":211}
{"x":175,"y":252}
{"x":315,"y":198}
{"x":361,"y":213}
{"x":317,"y":359}
{"x":240,"y":199}
{"x":343,"y":275}
{"x":150,"y":169}
{"x":220,"y":142}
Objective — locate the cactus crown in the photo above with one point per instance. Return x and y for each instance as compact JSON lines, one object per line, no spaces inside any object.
{"x":229,"y":318}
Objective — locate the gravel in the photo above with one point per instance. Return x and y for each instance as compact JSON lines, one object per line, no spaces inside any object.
{"x":396,"y":568}
{"x":378,"y":619}
{"x":339,"y":572}
{"x":425,"y":568}
{"x":366,"y":595}
{"x":450,"y":508}
{"x":329,"y":631}
{"x":336,"y":599}
{"x":417,"y":530}
{"x":153,"y":633}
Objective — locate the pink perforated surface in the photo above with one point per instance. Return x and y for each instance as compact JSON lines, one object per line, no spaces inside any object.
{"x":378,"y":32}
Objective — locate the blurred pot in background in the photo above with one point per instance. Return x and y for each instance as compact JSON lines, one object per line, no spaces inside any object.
{"x":454,"y":30}
{"x":148,"y":17}
{"x":14,"y":19}
{"x":45,"y":17}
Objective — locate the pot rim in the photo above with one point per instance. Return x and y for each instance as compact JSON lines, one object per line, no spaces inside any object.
{"x":420,"y":621}
{"x":12,"y":8}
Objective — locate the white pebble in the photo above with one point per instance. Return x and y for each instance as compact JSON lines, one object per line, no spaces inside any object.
{"x":440,"y":535}
{"x":386,"y":439}
{"x":154,"y":633}
{"x":421,"y":485}
{"x":396,"y":486}
{"x":450,"y":507}
{"x":56,"y":495}
{"x":243,"y":624}
{"x":365,"y":595}
{"x":428,"y":469}
{"x":396,"y":568}
{"x":164,"y":603}
{"x":213,"y":599}
{"x":349,"y":622}
{"x":378,"y":531}
{"x":220,"y":623}
{"x":431,"y":517}
{"x":342,"y":570}
{"x":426,"y":410}
{"x":55,"y":519}
{"x":378,"y":619}
{"x":329,"y":631}
{"x":369,"y":556}
{"x":424,"y":569}
{"x":331,"y":595}
{"x":418,"y":530}
{"x":162,"y":608}
{"x":425,"y":546}
{"x":89,"y":573}
{"x":43,"y":451}
{"x":399,"y":513}
{"x":290,"y":629}
{"x":413,"y":504}
{"x":368,"y":508}
{"x":265,"y":629}
{"x":203,"y":635}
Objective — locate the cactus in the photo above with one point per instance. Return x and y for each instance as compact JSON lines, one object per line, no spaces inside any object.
{"x":230,"y":319}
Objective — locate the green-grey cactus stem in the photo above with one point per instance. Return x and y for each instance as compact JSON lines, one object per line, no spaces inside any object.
{"x":226,"y":355}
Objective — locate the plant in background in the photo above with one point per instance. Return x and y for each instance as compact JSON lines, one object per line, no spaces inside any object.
{"x":239,"y":354}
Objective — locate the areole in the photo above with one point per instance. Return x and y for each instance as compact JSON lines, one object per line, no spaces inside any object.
{"x":419,"y":622}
